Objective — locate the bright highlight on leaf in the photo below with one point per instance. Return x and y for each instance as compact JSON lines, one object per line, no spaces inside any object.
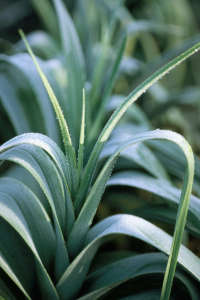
{"x":61,"y":119}
{"x":82,"y":137}
{"x":120,"y":111}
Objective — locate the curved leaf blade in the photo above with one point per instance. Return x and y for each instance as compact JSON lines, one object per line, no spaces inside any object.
{"x":12,"y":106}
{"x":35,"y":216}
{"x":156,"y":186}
{"x":119,"y":112}
{"x":55,"y":154}
{"x":75,"y":67}
{"x":69,"y":149}
{"x":21,"y":64}
{"x":112,"y":275}
{"x":183,"y":207}
{"x":11,"y":213}
{"x":75,"y":274}
{"x":35,"y":161}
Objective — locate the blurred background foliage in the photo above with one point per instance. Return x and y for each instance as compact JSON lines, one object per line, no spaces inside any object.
{"x":157,"y":30}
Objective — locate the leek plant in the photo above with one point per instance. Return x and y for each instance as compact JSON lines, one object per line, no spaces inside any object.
{"x":51,"y":244}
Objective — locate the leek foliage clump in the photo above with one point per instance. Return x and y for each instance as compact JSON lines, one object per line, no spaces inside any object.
{"x":61,"y":163}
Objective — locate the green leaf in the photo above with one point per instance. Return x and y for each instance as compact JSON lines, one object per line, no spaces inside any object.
{"x":35,"y":215}
{"x":167,"y":214}
{"x":42,"y":44}
{"x":75,"y":68}
{"x":35,"y":160}
{"x":5,"y":292}
{"x":150,"y":294}
{"x":47,"y":15}
{"x":108,"y":89}
{"x":82,"y":138}
{"x":5,"y":266}
{"x":49,"y":147}
{"x":146,"y":231}
{"x":22,"y":66}
{"x":12,"y":106}
{"x":136,"y":155}
{"x":45,"y":173}
{"x":9,"y":262}
{"x":74,"y":276}
{"x":106,"y":278}
{"x":156,"y":186}
{"x":69,"y":149}
{"x":141,"y":89}
{"x":184,"y":200}
{"x":100,"y":66}
{"x":173,"y":161}
{"x":114,"y":70}
{"x":88,"y":211}
{"x":139,"y":26}
{"x":133,"y":117}
{"x":119,"y":112}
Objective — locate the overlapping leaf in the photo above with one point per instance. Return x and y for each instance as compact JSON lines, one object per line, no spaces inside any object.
{"x":119,"y":112}
{"x":106,"y":278}
{"x":75,"y":68}
{"x":45,"y":173}
{"x":109,"y":228}
{"x":23,"y":64}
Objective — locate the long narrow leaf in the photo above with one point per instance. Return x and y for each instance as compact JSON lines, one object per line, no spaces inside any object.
{"x":35,"y":216}
{"x":75,"y":274}
{"x":57,"y":157}
{"x":159,"y":187}
{"x":82,"y":137}
{"x":22,"y":67}
{"x":13,"y":107}
{"x":11,"y":213}
{"x":184,"y":201}
{"x":119,"y":112}
{"x":48,"y":146}
{"x":69,"y":149}
{"x":35,"y":162}
{"x":138,"y":155}
{"x":85,"y":218}
{"x":110,"y":276}
{"x":108,"y":88}
{"x":46,"y":13}
{"x":75,"y":68}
